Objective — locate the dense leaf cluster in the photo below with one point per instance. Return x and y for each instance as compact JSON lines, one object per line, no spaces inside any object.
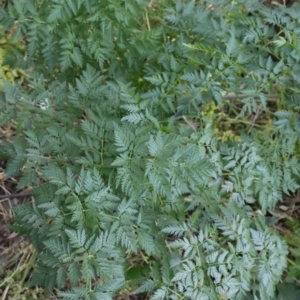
{"x":9,"y":46}
{"x":156,"y":136}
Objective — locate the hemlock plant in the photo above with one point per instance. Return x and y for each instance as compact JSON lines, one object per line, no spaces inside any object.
{"x":156,"y":136}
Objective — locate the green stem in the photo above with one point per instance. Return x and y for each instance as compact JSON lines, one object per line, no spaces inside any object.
{"x":29,"y":265}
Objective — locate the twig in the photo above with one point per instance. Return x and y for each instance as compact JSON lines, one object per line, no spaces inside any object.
{"x":192,"y":125}
{"x":243,"y":96}
{"x":5,"y":292}
{"x":150,"y":3}
{"x":11,"y":196}
{"x":255,"y":117}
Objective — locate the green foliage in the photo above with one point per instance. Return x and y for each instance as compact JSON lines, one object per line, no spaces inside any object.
{"x":7,"y":46}
{"x":292,"y":237}
{"x":156,"y":136}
